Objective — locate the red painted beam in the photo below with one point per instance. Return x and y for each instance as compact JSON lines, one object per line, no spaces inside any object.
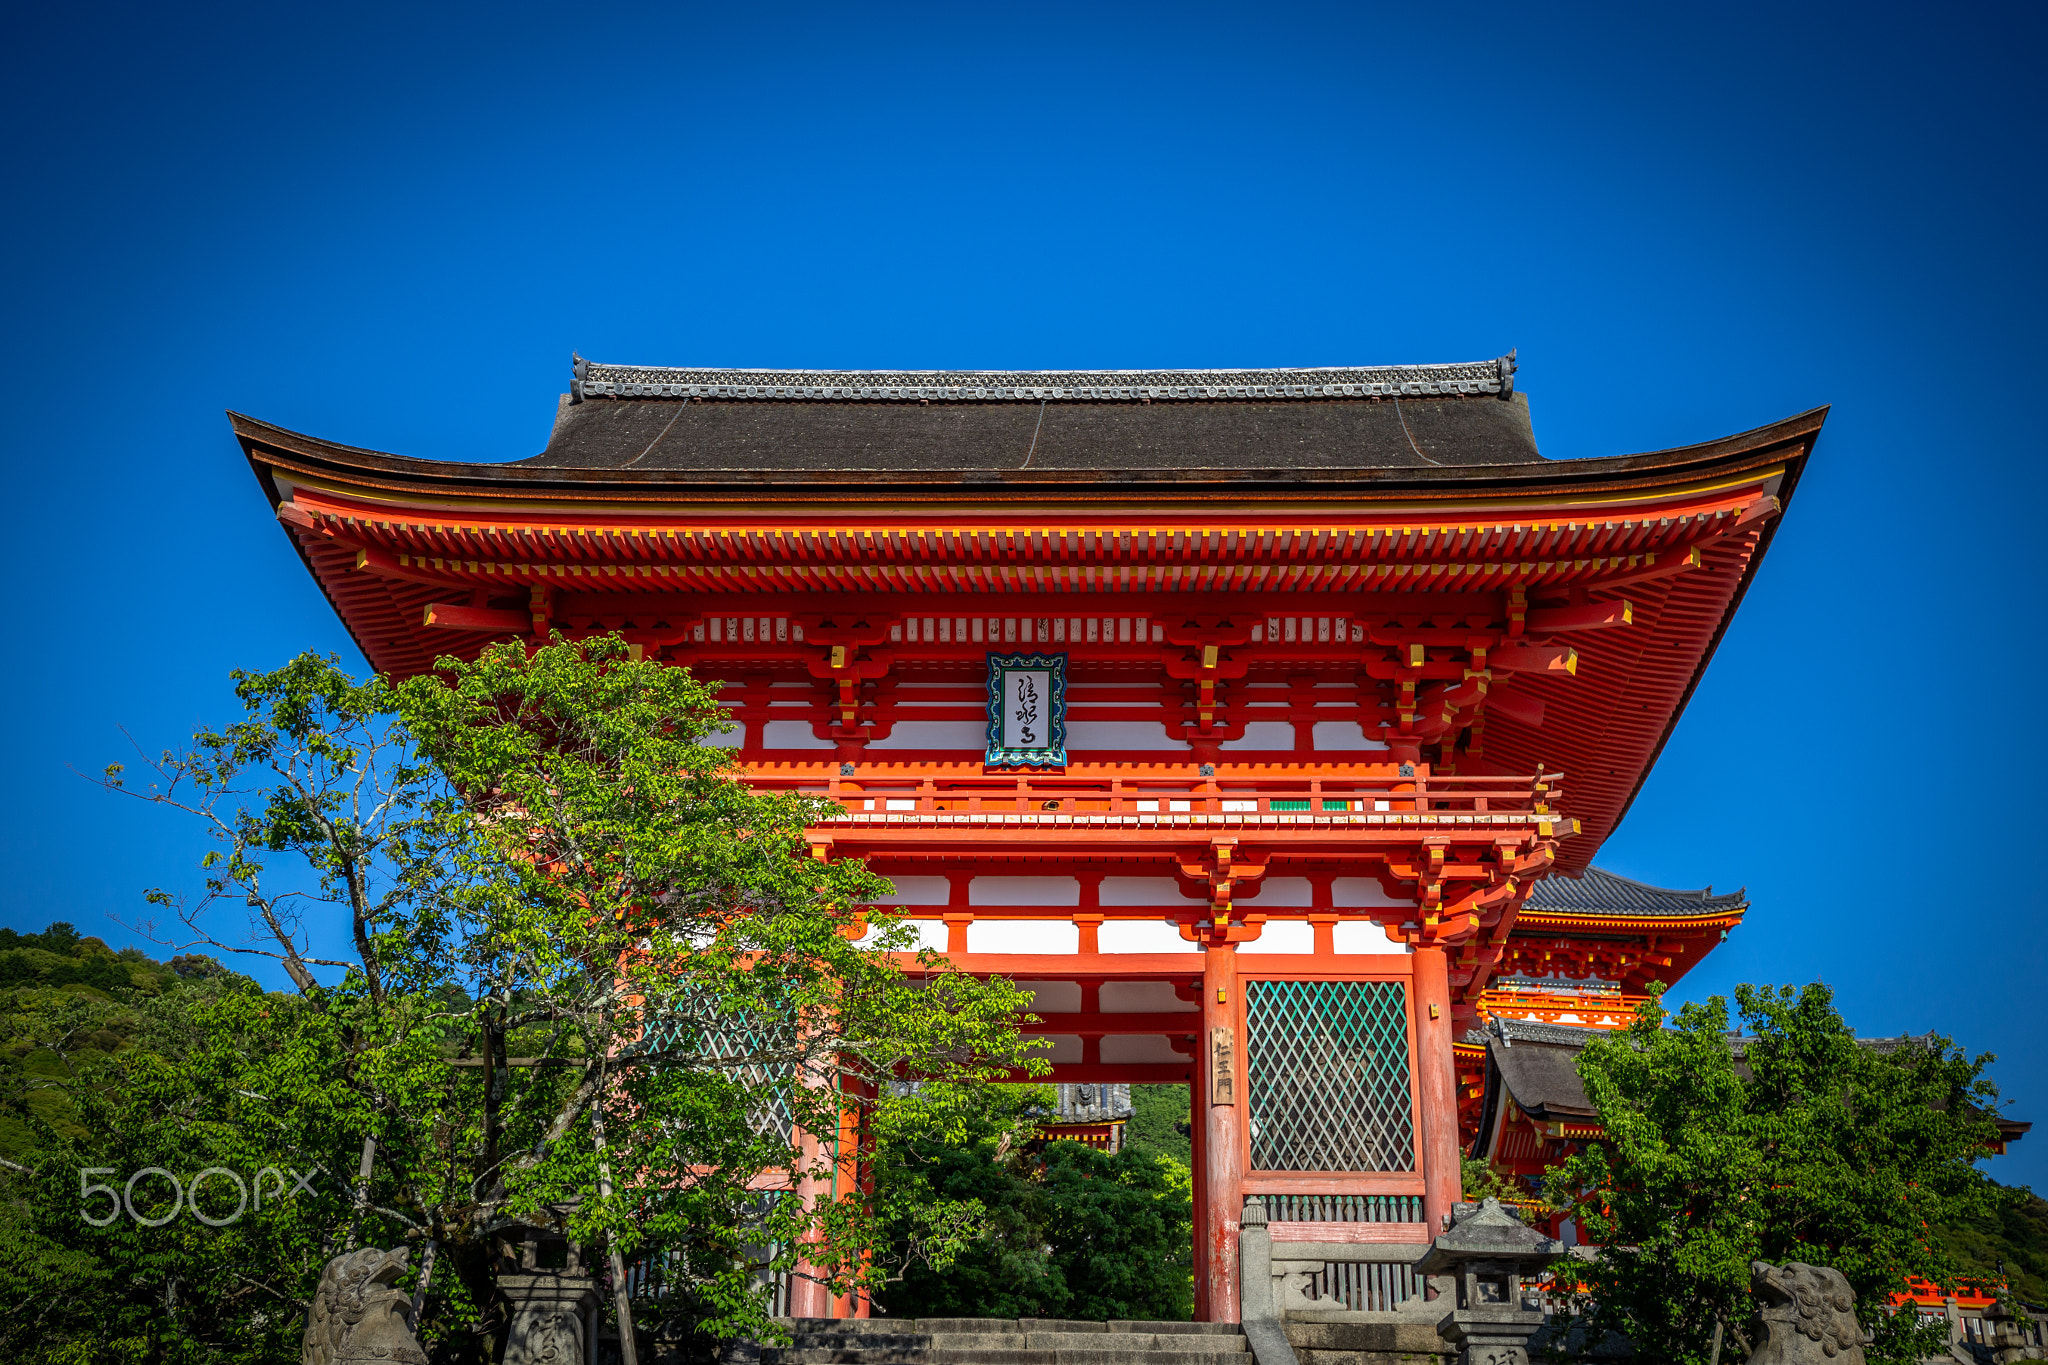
{"x":1185,"y":1024}
{"x":1132,"y":1073}
{"x":1591,"y":616}
{"x":447,"y":617}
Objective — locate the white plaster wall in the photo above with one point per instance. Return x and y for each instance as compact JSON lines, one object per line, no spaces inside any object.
{"x":930,"y":934}
{"x":1023,"y":936}
{"x":791,"y":734}
{"x":1350,"y":893}
{"x":1066,"y":1047}
{"x":918,"y":891}
{"x":1342,"y":736}
{"x":1119,"y":734}
{"x":1024,"y":891}
{"x":1282,"y":936}
{"x":1139,"y":891}
{"x":1366,"y":938}
{"x":1053,"y":997}
{"x":1292,"y":893}
{"x":1141,"y":936}
{"x":1144,"y":997}
{"x":935,"y":734}
{"x":1140,"y":1047}
{"x":1263,"y":734}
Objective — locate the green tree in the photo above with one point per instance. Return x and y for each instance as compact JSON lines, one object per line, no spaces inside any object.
{"x":1791,"y":1142}
{"x":592,"y":979}
{"x":1159,"y":1122}
{"x":1062,"y":1229}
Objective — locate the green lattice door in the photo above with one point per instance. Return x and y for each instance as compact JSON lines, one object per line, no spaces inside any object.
{"x":1327,"y":1065}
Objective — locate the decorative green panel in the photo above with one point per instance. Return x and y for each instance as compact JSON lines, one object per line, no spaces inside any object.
{"x":1327,"y":1063}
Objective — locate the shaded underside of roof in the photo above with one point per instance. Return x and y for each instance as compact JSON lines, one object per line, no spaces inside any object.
{"x":720,"y":439}
{"x":1603,"y":894}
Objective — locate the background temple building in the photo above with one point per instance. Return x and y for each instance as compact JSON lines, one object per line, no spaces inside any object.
{"x":1265,"y":724}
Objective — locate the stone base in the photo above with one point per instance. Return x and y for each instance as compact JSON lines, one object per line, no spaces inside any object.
{"x":1387,"y":1342}
{"x":1490,"y":1336}
{"x":549,"y":1310}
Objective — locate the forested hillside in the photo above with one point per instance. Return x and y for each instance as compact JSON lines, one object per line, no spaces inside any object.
{"x":67,"y":1000}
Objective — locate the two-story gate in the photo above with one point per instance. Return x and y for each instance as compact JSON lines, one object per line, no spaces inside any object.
{"x":1232,"y":711}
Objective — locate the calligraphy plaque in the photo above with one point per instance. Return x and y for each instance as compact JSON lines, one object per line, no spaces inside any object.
{"x":1027,"y":711}
{"x":1222,"y":1066}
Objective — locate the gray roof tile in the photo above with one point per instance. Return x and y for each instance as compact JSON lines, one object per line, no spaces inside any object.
{"x":1603,"y":893}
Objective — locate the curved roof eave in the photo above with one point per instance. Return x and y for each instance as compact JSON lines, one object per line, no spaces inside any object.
{"x":266,"y":443}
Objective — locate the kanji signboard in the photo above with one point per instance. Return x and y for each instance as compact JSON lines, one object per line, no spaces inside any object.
{"x":1027,"y":711}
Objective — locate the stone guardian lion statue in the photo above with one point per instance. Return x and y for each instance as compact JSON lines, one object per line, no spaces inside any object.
{"x":358,"y":1317}
{"x":1809,"y":1315}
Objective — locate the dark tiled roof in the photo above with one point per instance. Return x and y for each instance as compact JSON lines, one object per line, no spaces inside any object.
{"x":1603,"y":893}
{"x":1282,"y":424}
{"x":1539,"y":1065}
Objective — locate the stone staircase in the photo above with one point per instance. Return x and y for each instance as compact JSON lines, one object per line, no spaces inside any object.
{"x":1008,"y":1341}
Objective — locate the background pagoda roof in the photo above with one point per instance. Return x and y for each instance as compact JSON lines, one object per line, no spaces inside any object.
{"x":1605,"y":895}
{"x":1536,"y":1064}
{"x":741,"y":424}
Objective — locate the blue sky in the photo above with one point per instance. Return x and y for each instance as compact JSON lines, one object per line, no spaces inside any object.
{"x":390,"y":225}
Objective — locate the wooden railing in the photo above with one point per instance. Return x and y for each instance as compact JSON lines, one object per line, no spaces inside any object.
{"x":1172,"y":800}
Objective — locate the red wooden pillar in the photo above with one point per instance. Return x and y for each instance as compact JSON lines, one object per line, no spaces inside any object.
{"x":1437,"y":1083}
{"x":1221,"y":1078}
{"x":1198,"y":1141}
{"x":807,"y":1297}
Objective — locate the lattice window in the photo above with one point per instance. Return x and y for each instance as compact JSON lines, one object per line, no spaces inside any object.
{"x":730,"y":1045}
{"x":1327,"y":1063}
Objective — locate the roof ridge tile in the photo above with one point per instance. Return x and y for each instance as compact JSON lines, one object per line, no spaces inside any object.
{"x":1470,"y":379}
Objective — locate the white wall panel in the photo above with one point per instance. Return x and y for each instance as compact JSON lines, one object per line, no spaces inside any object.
{"x":935,"y":734}
{"x":1292,"y":893}
{"x":1024,"y":891}
{"x":1263,"y":734}
{"x":1023,"y":936}
{"x":1365,"y":938}
{"x":1140,"y":891}
{"x":1130,"y":1048}
{"x":918,"y":891}
{"x":1141,"y":936}
{"x":1350,"y":893}
{"x":1144,"y":997}
{"x":791,"y":734}
{"x":1146,"y":735}
{"x":1342,"y":736}
{"x":1282,"y":936}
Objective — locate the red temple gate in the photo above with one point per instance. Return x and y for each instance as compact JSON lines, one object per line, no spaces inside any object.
{"x":1333,"y":667}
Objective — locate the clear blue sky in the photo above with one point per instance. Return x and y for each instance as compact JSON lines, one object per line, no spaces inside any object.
{"x":389,"y":225}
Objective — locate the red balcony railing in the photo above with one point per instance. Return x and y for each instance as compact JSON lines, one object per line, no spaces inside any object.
{"x":1174,"y":799}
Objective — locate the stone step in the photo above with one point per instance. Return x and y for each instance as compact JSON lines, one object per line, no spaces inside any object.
{"x":855,"y":1326}
{"x":1194,"y":1329}
{"x":984,"y":1355}
{"x":1062,"y":1341}
{"x":860,"y":1341}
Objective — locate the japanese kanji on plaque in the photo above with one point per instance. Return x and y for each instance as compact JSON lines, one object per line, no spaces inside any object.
{"x":1027,"y":711}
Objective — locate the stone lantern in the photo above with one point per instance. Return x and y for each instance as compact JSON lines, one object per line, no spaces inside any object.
{"x":553,"y":1312}
{"x":1487,"y":1251}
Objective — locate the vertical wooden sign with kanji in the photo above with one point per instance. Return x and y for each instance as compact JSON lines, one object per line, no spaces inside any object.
{"x":1222,"y":1066}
